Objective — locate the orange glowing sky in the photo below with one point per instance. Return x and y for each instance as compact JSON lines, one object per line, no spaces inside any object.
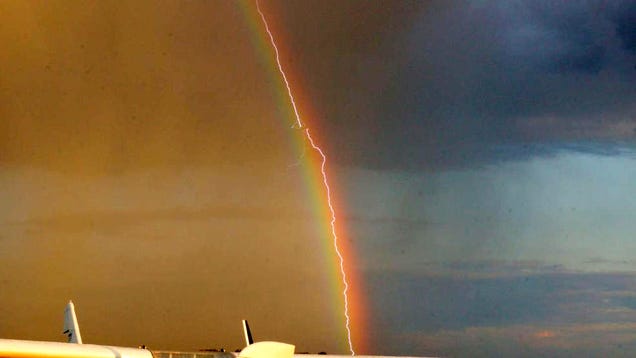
{"x":143,"y":176}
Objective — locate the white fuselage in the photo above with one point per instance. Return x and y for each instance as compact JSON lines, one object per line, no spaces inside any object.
{"x":346,"y":356}
{"x":10,"y":348}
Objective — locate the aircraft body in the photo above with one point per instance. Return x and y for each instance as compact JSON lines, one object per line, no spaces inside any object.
{"x":13,"y":348}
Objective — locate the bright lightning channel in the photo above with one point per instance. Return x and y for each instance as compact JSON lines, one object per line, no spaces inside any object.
{"x":324,"y":178}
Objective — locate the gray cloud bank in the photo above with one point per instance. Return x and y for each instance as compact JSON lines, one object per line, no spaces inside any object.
{"x":551,"y":313}
{"x":572,"y":209}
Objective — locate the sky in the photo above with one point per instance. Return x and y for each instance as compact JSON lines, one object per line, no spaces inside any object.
{"x":481,"y":156}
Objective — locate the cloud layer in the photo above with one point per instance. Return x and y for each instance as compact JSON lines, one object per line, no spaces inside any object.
{"x":449,"y":86}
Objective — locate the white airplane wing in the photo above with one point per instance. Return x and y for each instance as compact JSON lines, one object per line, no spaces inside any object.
{"x":12,"y":348}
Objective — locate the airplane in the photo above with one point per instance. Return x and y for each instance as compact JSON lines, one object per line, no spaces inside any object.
{"x":75,"y":348}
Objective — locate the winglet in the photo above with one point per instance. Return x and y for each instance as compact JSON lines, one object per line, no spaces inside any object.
{"x":247,"y":333}
{"x":71,"y":328}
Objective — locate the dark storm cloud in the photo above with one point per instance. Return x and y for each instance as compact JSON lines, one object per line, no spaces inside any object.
{"x":560,"y":37}
{"x":626,"y":26}
{"x":456,"y":83}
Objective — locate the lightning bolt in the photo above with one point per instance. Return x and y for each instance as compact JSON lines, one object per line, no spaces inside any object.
{"x":325,"y":181}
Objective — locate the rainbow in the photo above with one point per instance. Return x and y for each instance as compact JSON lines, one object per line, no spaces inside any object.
{"x":346,"y":295}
